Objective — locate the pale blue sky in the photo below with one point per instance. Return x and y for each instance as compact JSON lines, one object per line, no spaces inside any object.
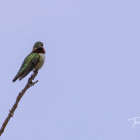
{"x":90,"y":84}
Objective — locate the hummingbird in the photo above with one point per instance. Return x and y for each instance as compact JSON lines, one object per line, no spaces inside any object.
{"x":34,"y":61}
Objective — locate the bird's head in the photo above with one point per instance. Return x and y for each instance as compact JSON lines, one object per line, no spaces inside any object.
{"x":38,"y":47}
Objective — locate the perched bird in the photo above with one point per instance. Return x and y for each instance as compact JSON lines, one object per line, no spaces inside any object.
{"x":34,"y":61}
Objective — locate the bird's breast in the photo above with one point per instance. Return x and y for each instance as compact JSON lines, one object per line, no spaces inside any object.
{"x":41,"y":61}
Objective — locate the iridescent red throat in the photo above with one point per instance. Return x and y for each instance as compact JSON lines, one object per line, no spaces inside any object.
{"x":39,"y":50}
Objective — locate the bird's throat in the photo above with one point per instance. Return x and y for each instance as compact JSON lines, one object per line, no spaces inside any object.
{"x":39,"y":50}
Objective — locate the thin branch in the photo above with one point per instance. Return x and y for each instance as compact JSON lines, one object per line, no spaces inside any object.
{"x":12,"y":110}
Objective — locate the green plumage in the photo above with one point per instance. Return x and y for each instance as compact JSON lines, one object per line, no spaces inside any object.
{"x":28,"y":65}
{"x":28,"y":60}
{"x":34,"y":61}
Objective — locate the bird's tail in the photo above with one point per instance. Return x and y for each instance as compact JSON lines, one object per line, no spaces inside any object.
{"x":17,"y":76}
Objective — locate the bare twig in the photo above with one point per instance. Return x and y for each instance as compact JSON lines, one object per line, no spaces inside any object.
{"x":12,"y":110}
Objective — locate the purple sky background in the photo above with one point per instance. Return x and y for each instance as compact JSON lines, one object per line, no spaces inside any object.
{"x":90,"y":84}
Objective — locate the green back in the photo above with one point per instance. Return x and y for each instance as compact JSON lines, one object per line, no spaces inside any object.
{"x":28,"y":60}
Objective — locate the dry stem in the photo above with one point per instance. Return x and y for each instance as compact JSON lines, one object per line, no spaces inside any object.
{"x":12,"y":110}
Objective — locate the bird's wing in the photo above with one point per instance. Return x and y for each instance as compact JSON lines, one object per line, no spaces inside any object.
{"x":31,"y":65}
{"x":27,"y":66}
